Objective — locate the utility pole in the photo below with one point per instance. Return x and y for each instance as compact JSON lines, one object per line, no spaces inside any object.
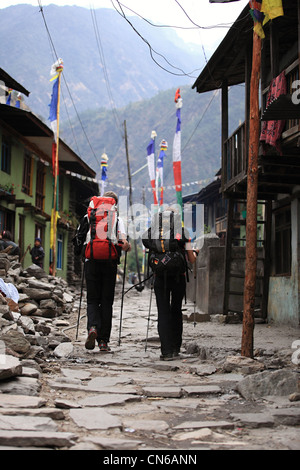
{"x":252,"y":184}
{"x":130,"y":203}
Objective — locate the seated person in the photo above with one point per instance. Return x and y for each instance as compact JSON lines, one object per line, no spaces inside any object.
{"x":7,"y":245}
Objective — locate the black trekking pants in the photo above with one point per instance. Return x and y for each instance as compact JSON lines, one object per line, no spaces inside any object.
{"x":169,"y":292}
{"x":100,"y":283}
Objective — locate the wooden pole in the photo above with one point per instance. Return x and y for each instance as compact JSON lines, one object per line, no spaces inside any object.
{"x":252,"y":183}
{"x":130,"y":203}
{"x":55,"y":178}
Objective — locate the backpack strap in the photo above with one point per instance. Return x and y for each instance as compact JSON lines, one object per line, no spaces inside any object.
{"x":93,"y":230}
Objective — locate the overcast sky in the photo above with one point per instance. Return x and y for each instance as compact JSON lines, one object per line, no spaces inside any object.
{"x":167,"y":12}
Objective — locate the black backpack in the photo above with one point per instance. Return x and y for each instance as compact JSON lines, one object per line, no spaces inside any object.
{"x":165,"y":240}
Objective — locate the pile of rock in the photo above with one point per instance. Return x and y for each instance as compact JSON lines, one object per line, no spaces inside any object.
{"x":31,"y":329}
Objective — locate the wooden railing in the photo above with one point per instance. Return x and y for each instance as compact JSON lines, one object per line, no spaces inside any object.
{"x":235,"y":151}
{"x":292,"y":74}
{"x":234,"y":157}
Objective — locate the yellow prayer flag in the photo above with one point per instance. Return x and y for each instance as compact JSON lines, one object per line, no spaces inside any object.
{"x":272,"y":9}
{"x":54,"y":217}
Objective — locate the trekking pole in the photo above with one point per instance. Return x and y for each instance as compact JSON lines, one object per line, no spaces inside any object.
{"x":78,"y":320}
{"x":148,"y":322}
{"x":195,"y":291}
{"x":122,"y":300}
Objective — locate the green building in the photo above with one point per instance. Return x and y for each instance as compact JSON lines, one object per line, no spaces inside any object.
{"x":26,"y":184}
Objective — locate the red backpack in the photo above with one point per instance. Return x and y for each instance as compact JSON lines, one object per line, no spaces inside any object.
{"x":102,"y":217}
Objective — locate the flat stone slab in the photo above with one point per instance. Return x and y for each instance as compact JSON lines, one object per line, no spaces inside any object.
{"x":114,"y":444}
{"x":108,"y":399}
{"x":166,"y":392}
{"x":20,"y":401}
{"x":94,"y":418}
{"x":66,"y":404}
{"x":76,"y":374}
{"x":21,"y":386}
{"x":52,"y":413}
{"x":202,"y":370}
{"x":153,"y":425}
{"x":253,"y":420}
{"x":201,"y":389}
{"x":287,"y":416}
{"x":205,"y":424}
{"x":9,"y":366}
{"x":28,"y":423}
{"x":37,"y":439}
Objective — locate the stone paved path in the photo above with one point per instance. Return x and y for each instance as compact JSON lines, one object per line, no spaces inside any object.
{"x":130,"y":400}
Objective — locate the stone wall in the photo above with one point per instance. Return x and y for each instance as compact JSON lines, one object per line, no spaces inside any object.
{"x":210,"y":278}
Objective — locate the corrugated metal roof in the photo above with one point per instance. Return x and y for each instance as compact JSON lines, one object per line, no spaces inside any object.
{"x":40,"y":135}
{"x":12,"y":83}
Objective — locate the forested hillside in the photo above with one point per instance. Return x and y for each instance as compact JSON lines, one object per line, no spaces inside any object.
{"x":201,"y":136}
{"x":109,"y":77}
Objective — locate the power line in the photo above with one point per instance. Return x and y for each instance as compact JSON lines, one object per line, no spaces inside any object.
{"x":153,"y":51}
{"x":106,"y":77}
{"x":216,"y":26}
{"x":204,"y":112}
{"x":66,"y":84}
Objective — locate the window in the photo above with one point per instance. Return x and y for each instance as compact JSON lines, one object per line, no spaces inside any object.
{"x":59,"y":262}
{"x":7,"y":220}
{"x":39,"y":232}
{"x":40,"y":186}
{"x":5,"y":155}
{"x":283,"y":241}
{"x":27,"y":174}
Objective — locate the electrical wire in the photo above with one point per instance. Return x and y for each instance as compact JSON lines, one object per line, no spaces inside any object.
{"x":216,"y":26}
{"x":204,"y":112}
{"x":66,"y":84}
{"x":152,"y":50}
{"x":106,"y":77}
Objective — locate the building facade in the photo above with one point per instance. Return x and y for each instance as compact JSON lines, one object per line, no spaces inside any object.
{"x":278,"y":161}
{"x":26,"y":184}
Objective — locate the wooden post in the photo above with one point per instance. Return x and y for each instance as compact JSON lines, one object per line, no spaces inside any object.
{"x":251,"y":228}
{"x":55,"y":178}
{"x":130,"y":202}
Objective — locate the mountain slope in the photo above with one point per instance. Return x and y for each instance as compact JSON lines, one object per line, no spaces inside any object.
{"x":201,"y":138}
{"x":127,"y":68}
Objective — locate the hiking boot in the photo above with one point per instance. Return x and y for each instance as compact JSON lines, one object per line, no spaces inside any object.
{"x":176,"y":355}
{"x":90,"y":342}
{"x":103,"y":346}
{"x":167,"y":357}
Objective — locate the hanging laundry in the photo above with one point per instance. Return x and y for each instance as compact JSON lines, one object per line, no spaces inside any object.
{"x":272,"y":130}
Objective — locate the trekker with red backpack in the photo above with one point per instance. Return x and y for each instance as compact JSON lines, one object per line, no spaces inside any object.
{"x":105,"y":239}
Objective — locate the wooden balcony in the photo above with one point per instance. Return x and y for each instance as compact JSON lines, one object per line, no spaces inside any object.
{"x":276,"y":173}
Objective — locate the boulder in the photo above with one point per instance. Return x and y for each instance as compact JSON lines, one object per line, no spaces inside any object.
{"x":16,"y":341}
{"x":28,"y":309}
{"x":280,"y":382}
{"x":9,"y":366}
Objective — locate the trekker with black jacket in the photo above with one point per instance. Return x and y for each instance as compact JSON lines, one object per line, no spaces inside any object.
{"x":37,"y":253}
{"x":7,"y":244}
{"x":169,"y":251}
